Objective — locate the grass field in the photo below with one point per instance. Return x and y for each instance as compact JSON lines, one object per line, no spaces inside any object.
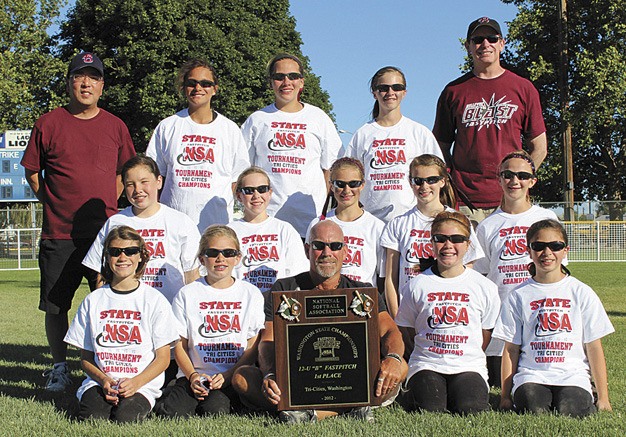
{"x":26,"y":409}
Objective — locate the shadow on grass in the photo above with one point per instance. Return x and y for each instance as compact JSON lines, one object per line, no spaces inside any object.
{"x":616,"y":314}
{"x":21,"y":283}
{"x":26,"y":382}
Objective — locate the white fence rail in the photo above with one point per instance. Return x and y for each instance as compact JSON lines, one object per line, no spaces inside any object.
{"x":589,"y":241}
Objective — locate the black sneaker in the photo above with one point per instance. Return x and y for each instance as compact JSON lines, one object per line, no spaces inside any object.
{"x":297,"y":416}
{"x":360,"y":413}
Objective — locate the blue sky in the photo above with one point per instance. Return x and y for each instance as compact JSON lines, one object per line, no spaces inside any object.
{"x":346,"y":41}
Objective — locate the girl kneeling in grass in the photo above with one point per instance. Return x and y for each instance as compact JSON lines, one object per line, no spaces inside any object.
{"x":553,"y":325}
{"x":124,"y":331}
{"x":219,"y":318}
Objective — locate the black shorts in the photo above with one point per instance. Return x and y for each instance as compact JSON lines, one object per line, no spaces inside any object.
{"x":60,"y":264}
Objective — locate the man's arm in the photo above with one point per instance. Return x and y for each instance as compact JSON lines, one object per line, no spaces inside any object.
{"x":538,"y":149}
{"x":35,"y":181}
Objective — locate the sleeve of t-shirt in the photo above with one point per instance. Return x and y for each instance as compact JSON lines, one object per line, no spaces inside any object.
{"x":475,"y":250}
{"x":33,"y":155}
{"x":242,"y":159}
{"x":388,"y":238}
{"x":127,"y":149}
{"x":444,"y":129}
{"x":351,"y":150}
{"x":534,"y":124}
{"x":93,"y":259}
{"x":596,"y":323}
{"x":482,"y":264}
{"x":247,"y":131}
{"x":297,"y":260}
{"x":407,"y":312}
{"x":492,"y":306}
{"x":257,"y":314}
{"x":79,"y":332}
{"x":155,"y":149}
{"x":509,"y":324}
{"x":178,"y":309}
{"x":164,"y":325}
{"x":331,"y":143}
{"x":189,"y":245}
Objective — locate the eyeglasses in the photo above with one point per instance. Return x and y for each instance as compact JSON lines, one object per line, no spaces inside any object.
{"x":226,"y":253}
{"x":430,"y":180}
{"x":192,"y":83}
{"x":91,"y":78}
{"x":384,"y":88}
{"x":456,"y":238}
{"x":342,"y":184}
{"x":490,"y":38}
{"x":250,"y":190}
{"x":521,"y":175}
{"x":128,"y":251}
{"x":320,"y":245}
{"x":279,"y":77}
{"x":555,"y":246}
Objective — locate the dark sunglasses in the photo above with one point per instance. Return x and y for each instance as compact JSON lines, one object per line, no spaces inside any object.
{"x":521,"y":175}
{"x":555,"y":246}
{"x":281,"y":76}
{"x":430,"y":180}
{"x":226,"y":253}
{"x":456,"y":238}
{"x":250,"y":190}
{"x":128,"y":251}
{"x":490,"y":38}
{"x":384,"y":88}
{"x":192,"y":83}
{"x":342,"y":184}
{"x":320,"y":245}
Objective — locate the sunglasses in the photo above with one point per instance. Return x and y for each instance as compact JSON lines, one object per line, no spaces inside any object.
{"x":384,"y":88}
{"x":192,"y":83}
{"x":490,"y":38}
{"x":279,"y":77}
{"x":128,"y":251}
{"x":555,"y":246}
{"x":456,"y":238}
{"x":261,"y":189}
{"x":342,"y":184}
{"x":430,"y":180}
{"x":521,"y":175}
{"x":226,"y":253}
{"x":320,"y":245}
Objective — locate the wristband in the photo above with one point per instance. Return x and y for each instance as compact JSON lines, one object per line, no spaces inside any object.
{"x":269,"y":375}
{"x":191,"y":374}
{"x":396,"y":357}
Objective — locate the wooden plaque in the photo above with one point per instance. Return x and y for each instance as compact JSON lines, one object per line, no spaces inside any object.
{"x":327,"y":347}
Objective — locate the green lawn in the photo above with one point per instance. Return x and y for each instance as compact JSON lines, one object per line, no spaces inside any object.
{"x":26,"y":409}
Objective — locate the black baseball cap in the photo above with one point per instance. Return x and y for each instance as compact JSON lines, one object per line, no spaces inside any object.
{"x":483,"y":21}
{"x":86,"y":59}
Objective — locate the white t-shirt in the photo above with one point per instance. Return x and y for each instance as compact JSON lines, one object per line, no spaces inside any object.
{"x":293,"y":148}
{"x":171,"y":238}
{"x":449,"y":315}
{"x":199,"y":162}
{"x":503,"y":239}
{"x":271,"y":249}
{"x":123,"y":330}
{"x":386,"y":153}
{"x":365,"y":256}
{"x":218,"y":323}
{"x":409,"y":234}
{"x":552,"y":323}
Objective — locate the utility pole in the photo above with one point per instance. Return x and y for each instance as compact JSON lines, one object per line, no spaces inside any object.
{"x":566,"y":127}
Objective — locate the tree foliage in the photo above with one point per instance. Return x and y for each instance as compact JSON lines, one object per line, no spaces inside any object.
{"x":143,"y":42}
{"x":597,"y":82}
{"x":29,"y":66}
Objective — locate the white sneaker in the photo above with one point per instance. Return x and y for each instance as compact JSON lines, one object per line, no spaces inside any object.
{"x":58,"y":378}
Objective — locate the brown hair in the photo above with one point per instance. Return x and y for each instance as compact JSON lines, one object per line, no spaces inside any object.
{"x":129,"y":234}
{"x":348,"y":162}
{"x":279,"y":57}
{"x":374,"y":83}
{"x":138,"y":160}
{"x":519,"y":154}
{"x":458,"y":218}
{"x":185,"y":69}
{"x":534,"y":229}
{"x":250,"y":170}
{"x":217,"y":231}
{"x":446,"y":194}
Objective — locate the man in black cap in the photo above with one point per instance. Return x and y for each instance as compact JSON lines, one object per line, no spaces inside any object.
{"x":72,"y":163}
{"x":485,"y":113}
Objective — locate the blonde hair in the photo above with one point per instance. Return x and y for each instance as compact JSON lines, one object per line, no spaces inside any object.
{"x":214,"y":231}
{"x":451,"y":216}
{"x":250,"y":170}
{"x":446,"y":194}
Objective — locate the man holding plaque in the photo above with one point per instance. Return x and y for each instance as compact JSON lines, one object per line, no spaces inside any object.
{"x":257,"y":386}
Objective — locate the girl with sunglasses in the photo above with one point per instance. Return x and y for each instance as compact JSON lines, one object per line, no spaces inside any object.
{"x":361,"y":230}
{"x":295,"y":143}
{"x":271,"y":248}
{"x":407,"y":238}
{"x":124,"y":331}
{"x":553,"y":326}
{"x":385,"y":146}
{"x":199,"y":151}
{"x":502,"y":236}
{"x":445,"y":316}
{"x":219,"y":318}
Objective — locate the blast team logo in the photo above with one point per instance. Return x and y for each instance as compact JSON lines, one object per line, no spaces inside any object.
{"x":488,"y":113}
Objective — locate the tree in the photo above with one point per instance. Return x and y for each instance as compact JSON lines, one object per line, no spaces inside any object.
{"x":597,"y":81}
{"x":144,"y":42}
{"x":30,"y":70}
